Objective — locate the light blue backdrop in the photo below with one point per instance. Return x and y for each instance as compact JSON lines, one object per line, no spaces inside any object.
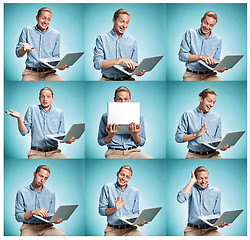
{"x":68,"y":19}
{"x":148,"y":179}
{"x":230,"y":176}
{"x":147,"y":25}
{"x":152,"y":97}
{"x":66,"y":180}
{"x":231,"y":105}
{"x":20,"y":95}
{"x":231,"y":27}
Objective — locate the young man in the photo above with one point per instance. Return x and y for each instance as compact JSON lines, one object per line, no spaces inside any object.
{"x":201,"y":44}
{"x":39,"y":41}
{"x":119,"y":199}
{"x":122,"y":145}
{"x":36,"y":199}
{"x":199,"y":124}
{"x":42,"y":120}
{"x":203,"y":200}
{"x":116,"y":47}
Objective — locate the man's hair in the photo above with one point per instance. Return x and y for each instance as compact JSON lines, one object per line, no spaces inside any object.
{"x":44,"y":9}
{"x":211,"y":14}
{"x":127,"y":168}
{"x":207,"y":91}
{"x":44,"y":167}
{"x":46,"y":88}
{"x":200,"y":169}
{"x":120,"y":11}
{"x":122,"y":89}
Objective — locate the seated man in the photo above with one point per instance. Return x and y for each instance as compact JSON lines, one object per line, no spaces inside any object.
{"x":122,"y":145}
{"x":42,"y":120}
{"x":120,"y":199}
{"x":203,"y":200}
{"x":116,"y":47}
{"x":39,"y":200}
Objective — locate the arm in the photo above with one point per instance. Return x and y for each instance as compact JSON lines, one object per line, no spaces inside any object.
{"x":21,"y":126}
{"x":22,"y":46}
{"x":118,"y":206}
{"x":189,"y":137}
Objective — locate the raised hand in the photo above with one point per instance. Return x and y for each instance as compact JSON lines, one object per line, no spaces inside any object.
{"x":27,"y":47}
{"x":118,"y":203}
{"x":193,"y":178}
{"x":201,"y":131}
{"x":13,"y":113}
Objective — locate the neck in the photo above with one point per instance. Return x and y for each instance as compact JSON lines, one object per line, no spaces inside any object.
{"x":202,"y":110}
{"x":38,"y":188}
{"x":118,"y":34}
{"x":122,"y":188}
{"x":205,"y":35}
{"x":46,"y":109}
{"x":42,"y":30}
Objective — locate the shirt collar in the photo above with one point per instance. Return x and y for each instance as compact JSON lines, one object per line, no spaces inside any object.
{"x":42,"y":109}
{"x":201,"y":113}
{"x":115,"y":35}
{"x":116,"y":185}
{"x":202,"y":35}
{"x":199,"y":188}
{"x":40,"y":30}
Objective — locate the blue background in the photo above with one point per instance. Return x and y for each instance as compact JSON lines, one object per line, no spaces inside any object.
{"x":230,"y":176}
{"x":147,"y":25}
{"x":231,"y":27}
{"x":68,"y":97}
{"x":68,"y":19}
{"x":152,"y":97}
{"x":66,"y":180}
{"x":148,"y":179}
{"x":231,"y":105}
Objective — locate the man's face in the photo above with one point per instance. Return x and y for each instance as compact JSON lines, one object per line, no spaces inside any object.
{"x":202,"y":179}
{"x":40,"y":178}
{"x":122,"y":97}
{"x":207,"y":103}
{"x":207,"y":25}
{"x":43,"y":20}
{"x":121,"y":24}
{"x":123,"y":177}
{"x":46,"y":98}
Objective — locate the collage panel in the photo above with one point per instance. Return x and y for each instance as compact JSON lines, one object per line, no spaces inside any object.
{"x":63,"y":186}
{"x":225,"y":190}
{"x":67,"y":109}
{"x":226,"y":115}
{"x":147,"y":180}
{"x":64,"y":35}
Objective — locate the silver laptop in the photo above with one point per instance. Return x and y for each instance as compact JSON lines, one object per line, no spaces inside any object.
{"x":216,"y":220}
{"x":146,"y":64}
{"x":146,"y":215}
{"x":123,"y":114}
{"x":69,"y":59}
{"x":63,"y":212}
{"x":230,"y":139}
{"x":76,"y":131}
{"x":228,"y":62}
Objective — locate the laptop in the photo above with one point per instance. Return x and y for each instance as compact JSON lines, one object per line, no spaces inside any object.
{"x":123,"y":114}
{"x":146,"y":64}
{"x":228,"y":61}
{"x":146,"y":215}
{"x":230,"y":139}
{"x":76,"y":131}
{"x":63,"y":212}
{"x":216,"y":220}
{"x":69,"y":59}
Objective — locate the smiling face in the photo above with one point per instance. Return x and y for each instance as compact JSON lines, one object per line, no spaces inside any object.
{"x":207,"y":24}
{"x":121,"y":24}
{"x":207,"y":103}
{"x":43,"y":20}
{"x":40,"y":178}
{"x":123,"y":178}
{"x":46,"y":99}
{"x":202,"y":179}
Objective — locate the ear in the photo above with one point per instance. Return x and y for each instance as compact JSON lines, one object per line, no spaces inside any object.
{"x":117,"y":174}
{"x":34,"y":174}
{"x":36,"y":17}
{"x":113,"y":20}
{"x":201,"y":99}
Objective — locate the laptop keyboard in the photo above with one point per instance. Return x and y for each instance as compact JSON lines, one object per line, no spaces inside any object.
{"x":131,"y":220}
{"x":212,"y":221}
{"x":214,"y":144}
{"x":129,"y":69}
{"x":54,"y":63}
{"x":60,"y":137}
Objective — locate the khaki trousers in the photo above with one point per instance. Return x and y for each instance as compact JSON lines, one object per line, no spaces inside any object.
{"x":211,"y":76}
{"x":132,"y":231}
{"x":52,"y":154}
{"x":29,"y":75}
{"x":46,"y":229}
{"x":106,"y":79}
{"x":214,"y":154}
{"x":132,"y":153}
{"x":190,"y":231}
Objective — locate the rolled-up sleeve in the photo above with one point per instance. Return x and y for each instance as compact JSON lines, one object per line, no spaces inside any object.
{"x":185,"y":47}
{"x":98,"y":53}
{"x":181,"y":129}
{"x":27,"y":122}
{"x":102,"y":133}
{"x":142,"y":133}
{"x":103,"y":201}
{"x":19,"y":207}
{"x":182,"y":197}
{"x":22,"y":39}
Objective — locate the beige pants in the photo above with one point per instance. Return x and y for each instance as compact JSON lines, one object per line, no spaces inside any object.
{"x":132,"y":231}
{"x":50,"y":75}
{"x":52,"y":154}
{"x":132,"y":153}
{"x":211,"y":76}
{"x":214,"y":154}
{"x":106,"y":79}
{"x":46,"y":229}
{"x":190,"y":231}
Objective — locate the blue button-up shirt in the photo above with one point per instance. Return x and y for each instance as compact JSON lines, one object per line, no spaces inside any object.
{"x":201,"y":202}
{"x":121,"y":141}
{"x":192,"y":121}
{"x":107,"y":200}
{"x":42,"y":123}
{"x":28,"y":199}
{"x":194,"y":42}
{"x":109,"y":46}
{"x":47,"y":45}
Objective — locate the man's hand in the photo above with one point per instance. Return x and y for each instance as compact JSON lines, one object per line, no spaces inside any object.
{"x":41,"y":212}
{"x":128,"y":62}
{"x":113,"y":129}
{"x":141,"y":73}
{"x":71,"y":140}
{"x":27,"y":47}
{"x":13,"y":113}
{"x":207,"y":59}
{"x":63,"y":67}
{"x":118,"y":203}
{"x":142,"y":223}
{"x":133,"y":128}
{"x":222,"y":70}
{"x":223,"y":225}
{"x":201,"y":131}
{"x":193,"y":178}
{"x":225,"y":148}
{"x":58,"y":221}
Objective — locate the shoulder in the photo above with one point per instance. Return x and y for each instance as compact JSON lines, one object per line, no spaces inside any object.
{"x":191,"y":31}
{"x":57,"y":110}
{"x":216,"y":36}
{"x":33,"y":107}
{"x":108,"y":186}
{"x":28,"y":29}
{"x":48,"y":191}
{"x":133,"y":189}
{"x":214,"y":189}
{"x":55,"y":32}
{"x":129,"y":38}
{"x":23,"y":190}
{"x":215,"y":115}
{"x":104,"y":116}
